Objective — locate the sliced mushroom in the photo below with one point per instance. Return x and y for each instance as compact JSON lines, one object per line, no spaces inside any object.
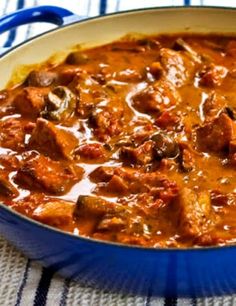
{"x":60,"y":103}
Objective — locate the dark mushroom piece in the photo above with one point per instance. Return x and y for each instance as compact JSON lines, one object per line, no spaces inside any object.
{"x":165,"y":146}
{"x":41,"y":78}
{"x":60,"y":103}
{"x":95,"y":206}
{"x":77,"y":58}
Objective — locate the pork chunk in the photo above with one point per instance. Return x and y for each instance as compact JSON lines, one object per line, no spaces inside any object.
{"x":52,"y":141}
{"x":156,"y":98}
{"x":12,"y":134}
{"x":216,"y":135}
{"x":40,"y":172}
{"x":177,"y":66}
{"x":30,"y":101}
{"x":107,"y":122}
{"x":55,"y":213}
{"x":213,"y":75}
{"x":195,"y":213}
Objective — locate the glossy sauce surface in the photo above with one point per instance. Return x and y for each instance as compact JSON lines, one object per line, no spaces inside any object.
{"x":132,"y":142}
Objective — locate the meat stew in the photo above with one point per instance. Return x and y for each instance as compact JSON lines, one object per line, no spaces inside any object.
{"x":131,"y":142}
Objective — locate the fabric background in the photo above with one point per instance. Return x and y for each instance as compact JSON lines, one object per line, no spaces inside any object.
{"x":24,"y":282}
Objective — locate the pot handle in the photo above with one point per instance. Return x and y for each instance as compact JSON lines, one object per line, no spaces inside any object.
{"x":45,"y":13}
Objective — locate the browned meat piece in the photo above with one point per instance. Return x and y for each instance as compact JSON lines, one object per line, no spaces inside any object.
{"x":102,"y":174}
{"x":6,"y":187}
{"x":52,"y":141}
{"x":216,"y":135}
{"x":89,"y":91}
{"x":54,"y":212}
{"x":39,"y":172}
{"x":9,"y":162}
{"x":117,"y":185}
{"x":156,"y":98}
{"x":41,"y":78}
{"x":90,"y":205}
{"x":129,"y":181}
{"x":92,"y":151}
{"x":178,"y":67}
{"x":12,"y":134}
{"x":30,"y":101}
{"x":168,"y":121}
{"x":195,"y":213}
{"x":213,"y":106}
{"x":144,"y":154}
{"x":213,"y":75}
{"x":107,"y":122}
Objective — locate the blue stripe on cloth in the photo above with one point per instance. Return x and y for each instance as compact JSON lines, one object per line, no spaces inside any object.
{"x":43,"y":287}
{"x":103,"y":7}
{"x":12,"y":33}
{"x":170,"y":301}
{"x":20,"y":291}
{"x":65,"y":292}
{"x":187,"y":2}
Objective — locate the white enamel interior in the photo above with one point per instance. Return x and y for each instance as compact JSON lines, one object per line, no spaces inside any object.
{"x":109,"y":28}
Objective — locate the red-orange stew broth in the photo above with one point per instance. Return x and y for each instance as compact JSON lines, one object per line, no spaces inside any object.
{"x":132,"y":142}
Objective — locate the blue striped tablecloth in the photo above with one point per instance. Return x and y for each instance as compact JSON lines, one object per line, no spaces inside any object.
{"x":24,"y":282}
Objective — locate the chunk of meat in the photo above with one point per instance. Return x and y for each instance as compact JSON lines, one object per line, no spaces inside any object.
{"x":54,"y":212}
{"x":12,"y":134}
{"x":213,"y":106}
{"x":41,"y":78}
{"x":168,"y":121}
{"x":40,"y":172}
{"x":196,"y":216}
{"x":155,"y":98}
{"x":177,"y":66}
{"x":216,"y":135}
{"x":213,"y":75}
{"x":52,"y":140}
{"x":129,"y":181}
{"x":89,"y":91}
{"x":107,"y":123}
{"x":142,"y":155}
{"x":102,"y":174}
{"x":6,"y":187}
{"x":30,"y":101}
{"x":92,"y":151}
{"x":9,"y":162}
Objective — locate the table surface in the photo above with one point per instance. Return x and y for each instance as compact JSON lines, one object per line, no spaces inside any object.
{"x":24,"y":282}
